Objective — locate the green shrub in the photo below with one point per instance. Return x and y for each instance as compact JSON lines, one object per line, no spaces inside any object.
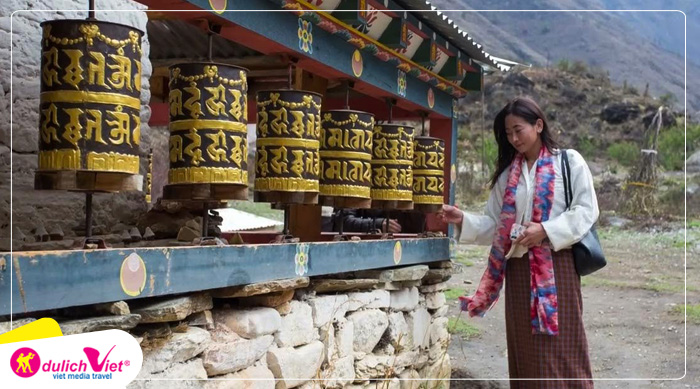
{"x":625,"y":153}
{"x":587,"y":147}
{"x":671,"y":142}
{"x":564,"y":65}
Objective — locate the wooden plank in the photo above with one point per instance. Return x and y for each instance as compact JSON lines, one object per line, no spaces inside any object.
{"x":37,"y":281}
{"x":87,"y":181}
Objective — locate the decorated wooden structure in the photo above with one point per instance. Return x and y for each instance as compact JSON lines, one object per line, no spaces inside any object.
{"x":420,"y":61}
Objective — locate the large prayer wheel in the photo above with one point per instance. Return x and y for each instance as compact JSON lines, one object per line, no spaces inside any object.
{"x":346,"y":155}
{"x":428,"y":173}
{"x":287,"y":160}
{"x":90,"y":97}
{"x":392,"y":167}
{"x":208,"y":130}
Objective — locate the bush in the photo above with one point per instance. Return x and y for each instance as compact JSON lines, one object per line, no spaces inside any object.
{"x":625,"y":153}
{"x":587,"y":148}
{"x":671,"y":142}
{"x":578,"y":67}
{"x":564,"y":65}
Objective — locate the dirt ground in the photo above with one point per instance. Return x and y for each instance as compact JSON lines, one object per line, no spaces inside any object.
{"x":632,"y":313}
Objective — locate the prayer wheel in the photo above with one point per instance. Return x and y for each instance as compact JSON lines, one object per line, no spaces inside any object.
{"x":208,"y":132}
{"x":428,"y":173}
{"x":90,"y":98}
{"x":346,"y":155}
{"x":287,"y":159}
{"x":392,"y":167}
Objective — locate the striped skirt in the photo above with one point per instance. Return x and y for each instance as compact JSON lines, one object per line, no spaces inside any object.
{"x":544,"y":356}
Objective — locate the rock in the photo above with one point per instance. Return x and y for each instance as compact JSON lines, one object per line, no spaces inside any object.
{"x":344,"y":337}
{"x":18,"y":235}
{"x":187,"y":234}
{"x":410,"y":379}
{"x":179,"y":375}
{"x":295,"y":366}
{"x":201,"y":319}
{"x":617,"y":221}
{"x":193,"y":224}
{"x":229,"y":353}
{"x":56,"y":233}
{"x":181,"y":347}
{"x":374,"y":366}
{"x":410,"y":273}
{"x":261,"y":288}
{"x":125,"y":236}
{"x":297,"y":327}
{"x":338,"y":285}
{"x":271,"y":300}
{"x":435,"y":276}
{"x":250,"y":323}
{"x":390,"y":286}
{"x":175,"y":309}
{"x":135,"y":234}
{"x":153,"y":331}
{"x":124,"y":322}
{"x":148,"y":234}
{"x":404,"y":300}
{"x":284,"y":309}
{"x":330,"y":349}
{"x":620,"y":112}
{"x":254,"y":377}
{"x":5,"y":326}
{"x":375,"y":299}
{"x":441,"y":312}
{"x":440,"y":372}
{"x":120,"y":308}
{"x":438,"y":331}
{"x":440,"y":287}
{"x":66,"y":244}
{"x":435,"y":300}
{"x":368,"y":327}
{"x":519,"y":80}
{"x":397,"y":333}
{"x":410,"y":284}
{"x":419,"y":323}
{"x":40,"y":234}
{"x":339,"y":373}
{"x":328,"y":308}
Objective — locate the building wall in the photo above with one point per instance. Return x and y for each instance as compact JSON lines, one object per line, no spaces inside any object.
{"x":112,"y":212}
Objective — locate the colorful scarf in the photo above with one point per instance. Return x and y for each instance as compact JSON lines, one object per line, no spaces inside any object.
{"x":543,"y":291}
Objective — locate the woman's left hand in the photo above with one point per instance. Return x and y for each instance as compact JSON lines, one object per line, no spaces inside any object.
{"x":533,"y":235}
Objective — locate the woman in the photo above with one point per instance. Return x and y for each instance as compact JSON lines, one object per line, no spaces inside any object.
{"x":544,"y":326}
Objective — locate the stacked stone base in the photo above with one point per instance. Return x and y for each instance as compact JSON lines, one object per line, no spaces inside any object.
{"x":384,"y":329}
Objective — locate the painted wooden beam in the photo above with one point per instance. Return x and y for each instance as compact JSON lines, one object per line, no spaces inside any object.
{"x":37,"y":281}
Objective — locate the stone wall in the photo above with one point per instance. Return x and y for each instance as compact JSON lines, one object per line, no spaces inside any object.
{"x":378,"y":329}
{"x":53,"y":209}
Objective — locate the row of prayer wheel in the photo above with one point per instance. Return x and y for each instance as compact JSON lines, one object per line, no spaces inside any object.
{"x":90,"y":120}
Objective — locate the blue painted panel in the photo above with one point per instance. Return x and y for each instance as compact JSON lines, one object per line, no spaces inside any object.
{"x":62,"y":279}
{"x":282,"y":26}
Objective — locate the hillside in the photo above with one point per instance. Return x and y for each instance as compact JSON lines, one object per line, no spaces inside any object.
{"x":630,"y":46}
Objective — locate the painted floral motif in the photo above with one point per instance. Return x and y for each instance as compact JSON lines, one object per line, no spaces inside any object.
{"x":431,"y":98}
{"x":306,"y":38}
{"x":397,"y":252}
{"x":301,"y":259}
{"x":356,"y":63}
{"x":401,"y":84}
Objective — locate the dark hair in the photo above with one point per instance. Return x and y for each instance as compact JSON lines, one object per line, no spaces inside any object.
{"x":528,"y":110}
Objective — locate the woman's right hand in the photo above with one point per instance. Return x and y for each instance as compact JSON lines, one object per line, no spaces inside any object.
{"x":451,"y":214}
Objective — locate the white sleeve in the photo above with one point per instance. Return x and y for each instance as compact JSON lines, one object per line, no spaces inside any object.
{"x":569,"y":227}
{"x":479,"y":229}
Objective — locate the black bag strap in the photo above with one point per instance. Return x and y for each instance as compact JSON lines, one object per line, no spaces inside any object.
{"x":566,"y":175}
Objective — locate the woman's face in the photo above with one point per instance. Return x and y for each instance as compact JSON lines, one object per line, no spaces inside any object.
{"x":523,"y":135}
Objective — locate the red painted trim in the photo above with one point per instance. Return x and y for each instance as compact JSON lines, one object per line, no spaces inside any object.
{"x":160,"y":114}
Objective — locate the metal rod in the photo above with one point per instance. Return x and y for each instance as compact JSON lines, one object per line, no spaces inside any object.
{"x":347,"y":94}
{"x":290,"y":76}
{"x":391,"y":110}
{"x":211,"y":46}
{"x":205,"y":220}
{"x":88,"y":214}
{"x":91,"y":9}
{"x":422,"y":123}
{"x":285,"y":231}
{"x":341,"y":214}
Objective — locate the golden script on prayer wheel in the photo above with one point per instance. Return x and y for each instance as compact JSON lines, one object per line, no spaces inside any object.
{"x":208,"y":124}
{"x":346,"y":155}
{"x":392,"y":163}
{"x":287,"y":157}
{"x":428,"y":170}
{"x":90,"y":96}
